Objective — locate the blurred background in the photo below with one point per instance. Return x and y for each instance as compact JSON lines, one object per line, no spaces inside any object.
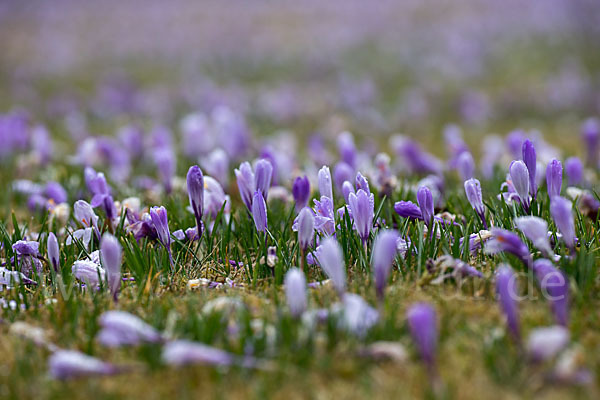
{"x":375,"y":68}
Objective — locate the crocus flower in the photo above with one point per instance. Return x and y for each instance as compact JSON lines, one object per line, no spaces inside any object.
{"x":384,"y":251}
{"x":536,"y":230}
{"x":89,"y":272}
{"x":195,"y":188}
{"x":301,"y":192}
{"x":53,"y":251}
{"x":161,"y":224}
{"x":574,"y":170}
{"x":305,"y":227}
{"x":362,"y":183}
{"x":347,"y":188}
{"x":347,"y":149}
{"x":12,"y":278}
{"x":554,"y":178}
{"x":331,"y":260}
{"x":325,"y":183}
{"x":184,"y":352}
{"x":529,"y":158}
{"x":342,"y":172}
{"x":590,"y":131}
{"x":465,"y":165}
{"x":503,"y":240}
{"x":408,"y":209}
{"x":216,"y":164}
{"x":246,"y":184}
{"x":120,"y":328}
{"x":295,"y":291}
{"x":555,"y":288}
{"x":259,"y":212}
{"x":55,"y":192}
{"x":324,"y":216}
{"x":561,"y":210}
{"x":362,"y":207}
{"x":545,"y":343}
{"x":506,"y":289}
{"x":263,"y":172}
{"x":423,"y":329}
{"x":69,"y":364}
{"x":110,"y":250}
{"x":425,"y":200}
{"x":84,"y":213}
{"x":473,"y":192}
{"x":519,"y":175}
{"x":358,"y":316}
{"x":215,"y":198}
{"x":26,"y":248}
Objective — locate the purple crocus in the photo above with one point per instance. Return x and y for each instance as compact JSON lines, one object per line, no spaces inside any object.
{"x":324,"y":216}
{"x":536,"y":230}
{"x":422,"y":323}
{"x":69,"y":364}
{"x":259,"y":212}
{"x":408,"y":209}
{"x":506,"y":290}
{"x":110,"y":251}
{"x":473,"y":192}
{"x":195,"y":188}
{"x":184,"y":352}
{"x":331,"y":260}
{"x":385,"y":249}
{"x":554,"y":178}
{"x":519,"y":176}
{"x":574,"y":171}
{"x":342,"y":172}
{"x":88,"y":272}
{"x":347,"y":188}
{"x":295,"y":292}
{"x":503,"y":240}
{"x":545,"y":343}
{"x":529,"y":158}
{"x":362,"y":207}
{"x":325,"y":183}
{"x":358,"y":315}
{"x":465,"y":165}
{"x":161,"y":224}
{"x":425,"y":200}
{"x":120,"y":328}
{"x":555,"y":288}
{"x":590,"y":132}
{"x":55,"y":192}
{"x":263,"y":172}
{"x":305,"y":227}
{"x":362,"y":183}
{"x":561,"y":211}
{"x":26,"y":248}
{"x":246,"y":184}
{"x":301,"y":192}
{"x":53,"y":252}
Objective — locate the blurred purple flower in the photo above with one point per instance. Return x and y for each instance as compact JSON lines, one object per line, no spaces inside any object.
{"x":26,"y":248}
{"x":574,"y":170}
{"x":506,"y":290}
{"x":408,"y":209}
{"x":422,"y":322}
{"x":536,"y":230}
{"x":554,"y":178}
{"x":69,"y":364}
{"x":561,"y":211}
{"x":342,"y":172}
{"x":385,"y":249}
{"x":295,"y":291}
{"x":555,"y":288}
{"x":110,"y":250}
{"x":465,"y":166}
{"x":503,"y":240}
{"x":362,"y":207}
{"x":545,"y":343}
{"x":120,"y":328}
{"x":332,"y":261}
{"x":259,"y":212}
{"x":590,"y":132}
{"x":305,"y":225}
{"x":301,"y":192}
{"x":473,"y":192}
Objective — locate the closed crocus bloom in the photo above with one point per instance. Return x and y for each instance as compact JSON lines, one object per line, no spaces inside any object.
{"x":301,"y":191}
{"x":554,"y":178}
{"x":53,"y":251}
{"x":295,"y":291}
{"x":347,"y":188}
{"x":422,"y":323}
{"x":536,"y":230}
{"x":362,"y":207}
{"x":555,"y":288}
{"x":347,"y":149}
{"x":306,"y":227}
{"x":342,"y":172}
{"x":519,"y":175}
{"x":325,"y":183}
{"x":385,"y":249}
{"x":263,"y":173}
{"x":120,"y":328}
{"x":503,"y":240}
{"x":195,"y":188}
{"x":507,"y":292}
{"x":574,"y":170}
{"x":26,"y":248}
{"x":246,"y":185}
{"x":358,"y":315}
{"x":545,"y":343}
{"x":590,"y":132}
{"x":69,"y":364}
{"x":362,"y":183}
{"x":84,"y":213}
{"x":110,"y":252}
{"x":161,"y":224}
{"x":185,"y":352}
{"x":529,"y":158}
{"x":88,"y":272}
{"x":425,"y":200}
{"x":561,"y":210}
{"x":408,"y":209}
{"x":473,"y":192}
{"x":465,"y":166}
{"x":259,"y":212}
{"x":331,"y":260}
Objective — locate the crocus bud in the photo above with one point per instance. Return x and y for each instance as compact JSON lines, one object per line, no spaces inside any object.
{"x":506,"y":290}
{"x":325,"y":184}
{"x":362,"y":183}
{"x":295,"y":291}
{"x":561,"y":210}
{"x":529,"y":158}
{"x":358,"y":315}
{"x":465,"y":165}
{"x":347,"y":149}
{"x":574,"y":170}
{"x":423,"y":329}
{"x":120,"y":328}
{"x":384,"y":251}
{"x":68,"y":364}
{"x":195,"y":188}
{"x":362,"y":207}
{"x":331,"y":260}
{"x":88,"y":272}
{"x":503,"y":240}
{"x":53,"y":252}
{"x":347,"y":188}
{"x":519,"y":175}
{"x":408,"y":209}
{"x":301,"y":192}
{"x":259,"y":212}
{"x":161,"y":224}
{"x":555,"y":288}
{"x":536,"y":230}
{"x":110,"y":252}
{"x":246,"y":185}
{"x":590,"y":131}
{"x":545,"y":343}
{"x":425,"y":200}
{"x":263,"y":173}
{"x":554,"y":178}
{"x":473,"y":192}
{"x":306,"y":227}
